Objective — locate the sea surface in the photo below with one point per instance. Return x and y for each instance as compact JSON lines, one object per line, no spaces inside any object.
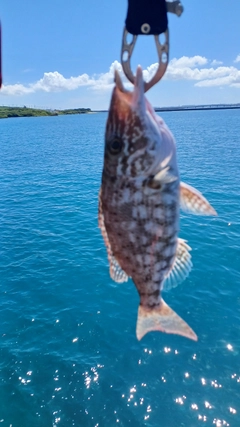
{"x":68,"y":349}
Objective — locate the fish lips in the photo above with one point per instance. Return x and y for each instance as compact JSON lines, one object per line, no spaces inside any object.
{"x":123,"y":99}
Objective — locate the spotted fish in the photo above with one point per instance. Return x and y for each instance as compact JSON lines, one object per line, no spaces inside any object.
{"x":139,"y":203}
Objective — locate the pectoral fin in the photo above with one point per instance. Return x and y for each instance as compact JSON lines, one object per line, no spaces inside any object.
{"x":181,"y":267}
{"x":163,"y":319}
{"x":116,"y":272}
{"x":164,"y":176}
{"x":192,"y":201}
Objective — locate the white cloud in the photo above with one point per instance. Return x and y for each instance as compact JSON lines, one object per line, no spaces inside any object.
{"x":222,"y":81}
{"x":231,"y":78}
{"x":51,"y":82}
{"x":190,"y":62}
{"x":56,"y":82}
{"x":187,"y":73}
{"x":17,"y":89}
{"x":105,"y":81}
{"x":184,"y":68}
{"x":216,"y":62}
{"x":27,"y":70}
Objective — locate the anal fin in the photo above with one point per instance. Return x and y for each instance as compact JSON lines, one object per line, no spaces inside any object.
{"x":181,"y":267}
{"x":192,"y":201}
{"x":116,"y":272}
{"x":162,"y":318}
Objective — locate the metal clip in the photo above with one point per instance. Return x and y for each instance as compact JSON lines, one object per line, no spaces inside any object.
{"x":162,"y":49}
{"x":163,"y":55}
{"x":175,"y":7}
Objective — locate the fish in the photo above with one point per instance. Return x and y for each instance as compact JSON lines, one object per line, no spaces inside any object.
{"x":139,"y":206}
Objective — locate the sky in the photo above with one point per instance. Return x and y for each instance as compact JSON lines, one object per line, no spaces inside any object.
{"x":62,"y":54}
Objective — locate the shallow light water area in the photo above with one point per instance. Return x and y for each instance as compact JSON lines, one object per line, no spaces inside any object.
{"x":69,"y":354}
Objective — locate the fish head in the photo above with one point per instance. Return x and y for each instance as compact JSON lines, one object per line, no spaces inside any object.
{"x":137,"y":140}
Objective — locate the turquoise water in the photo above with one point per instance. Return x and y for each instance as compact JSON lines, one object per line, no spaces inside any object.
{"x":69,"y":355}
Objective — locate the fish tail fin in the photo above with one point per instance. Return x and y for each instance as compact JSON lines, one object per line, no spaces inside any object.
{"x":163,"y":319}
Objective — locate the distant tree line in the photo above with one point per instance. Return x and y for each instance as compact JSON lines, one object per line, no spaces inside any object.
{"x":6,"y":112}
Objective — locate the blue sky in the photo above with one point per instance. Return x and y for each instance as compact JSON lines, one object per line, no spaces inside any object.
{"x":61,"y":54}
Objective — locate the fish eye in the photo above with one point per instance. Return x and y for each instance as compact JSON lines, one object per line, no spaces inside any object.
{"x":115,"y":146}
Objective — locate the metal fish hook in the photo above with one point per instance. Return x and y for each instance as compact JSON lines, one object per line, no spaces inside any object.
{"x":144,"y":18}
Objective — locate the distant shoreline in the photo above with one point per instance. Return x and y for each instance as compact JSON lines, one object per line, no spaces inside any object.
{"x":200,"y":107}
{"x":193,"y":108}
{"x":10,"y":112}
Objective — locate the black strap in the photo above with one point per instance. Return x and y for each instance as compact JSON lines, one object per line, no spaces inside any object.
{"x":151,"y":12}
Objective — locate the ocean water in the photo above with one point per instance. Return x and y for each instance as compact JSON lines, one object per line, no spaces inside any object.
{"x":69,"y":354}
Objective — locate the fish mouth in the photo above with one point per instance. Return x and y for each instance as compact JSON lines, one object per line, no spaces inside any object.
{"x":136,"y":99}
